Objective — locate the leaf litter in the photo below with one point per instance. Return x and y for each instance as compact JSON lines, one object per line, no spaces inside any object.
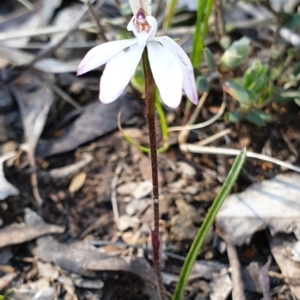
{"x":272,"y":204}
{"x":6,"y":188}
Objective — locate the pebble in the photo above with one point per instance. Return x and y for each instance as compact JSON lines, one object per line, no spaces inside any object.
{"x":186,"y":169}
{"x":143,"y":189}
{"x":126,"y":188}
{"x":136,"y":205}
{"x":125,"y":222}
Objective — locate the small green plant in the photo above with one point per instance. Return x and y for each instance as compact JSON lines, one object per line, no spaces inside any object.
{"x":251,"y":92}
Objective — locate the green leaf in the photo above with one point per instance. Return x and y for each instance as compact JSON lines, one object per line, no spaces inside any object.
{"x":211,"y":65}
{"x":297,"y":101}
{"x":171,"y":9}
{"x":296,"y":70}
{"x":258,"y":117}
{"x":203,"y":13}
{"x":236,"y":54}
{"x":225,"y":42}
{"x":233,"y":116}
{"x":237,"y":92}
{"x":293,"y":21}
{"x":290,"y":94}
{"x":207,"y":223}
{"x":202,"y":84}
{"x":247,"y":79}
{"x":259,"y":85}
{"x":125,"y":9}
{"x":255,"y":71}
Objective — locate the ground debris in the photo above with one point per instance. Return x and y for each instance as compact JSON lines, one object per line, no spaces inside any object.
{"x":96,"y":120}
{"x":272,"y":204}
{"x":281,"y":248}
{"x":40,"y":290}
{"x":6,"y":188}
{"x":69,"y":257}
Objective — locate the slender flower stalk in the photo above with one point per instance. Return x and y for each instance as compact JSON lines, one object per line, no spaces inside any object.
{"x":166,"y":67}
{"x":150,"y":93}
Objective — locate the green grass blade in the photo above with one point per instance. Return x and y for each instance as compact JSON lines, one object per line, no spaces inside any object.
{"x":170,"y":12}
{"x":203,"y":13}
{"x":207,"y":223}
{"x":162,"y":119}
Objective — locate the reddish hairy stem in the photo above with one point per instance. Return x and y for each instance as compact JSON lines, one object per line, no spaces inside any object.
{"x":150,"y":93}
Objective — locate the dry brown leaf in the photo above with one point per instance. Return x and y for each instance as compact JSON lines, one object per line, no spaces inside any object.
{"x":272,"y":204}
{"x":24,"y":19}
{"x":39,"y":290}
{"x":96,"y":120}
{"x":69,"y":170}
{"x":281,"y":251}
{"x":77,"y":182}
{"x":136,"y":265}
{"x":74,"y":258}
{"x":221,"y":287}
{"x":17,"y":234}
{"x":6,"y":279}
{"x":34,"y":100}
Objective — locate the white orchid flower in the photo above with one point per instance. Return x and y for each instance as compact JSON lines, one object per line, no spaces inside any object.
{"x":171,"y":68}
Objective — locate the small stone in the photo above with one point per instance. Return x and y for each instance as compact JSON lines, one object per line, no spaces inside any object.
{"x":111,"y":250}
{"x":145,"y":169}
{"x":143,"y":189}
{"x":186,"y":169}
{"x":187,"y":210}
{"x":126,"y":188}
{"x":88,"y":284}
{"x":177,"y":186}
{"x":183,"y":228}
{"x":170,"y":176}
{"x":47,"y":270}
{"x":220,"y":287}
{"x":135,"y":206}
{"x":125,"y":222}
{"x":127,"y":237}
{"x":191,"y":190}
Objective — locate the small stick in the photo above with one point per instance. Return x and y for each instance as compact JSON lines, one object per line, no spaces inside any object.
{"x":203,"y":124}
{"x":235,"y":152}
{"x":113,"y":188}
{"x":100,"y":30}
{"x":236,"y":275}
{"x":183,"y":136}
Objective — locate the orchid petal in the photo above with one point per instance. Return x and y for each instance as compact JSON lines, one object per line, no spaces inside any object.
{"x":144,"y":36}
{"x":188,"y":84}
{"x":166,"y":72}
{"x":136,"y":5}
{"x":118,"y":72}
{"x":101,"y":54}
